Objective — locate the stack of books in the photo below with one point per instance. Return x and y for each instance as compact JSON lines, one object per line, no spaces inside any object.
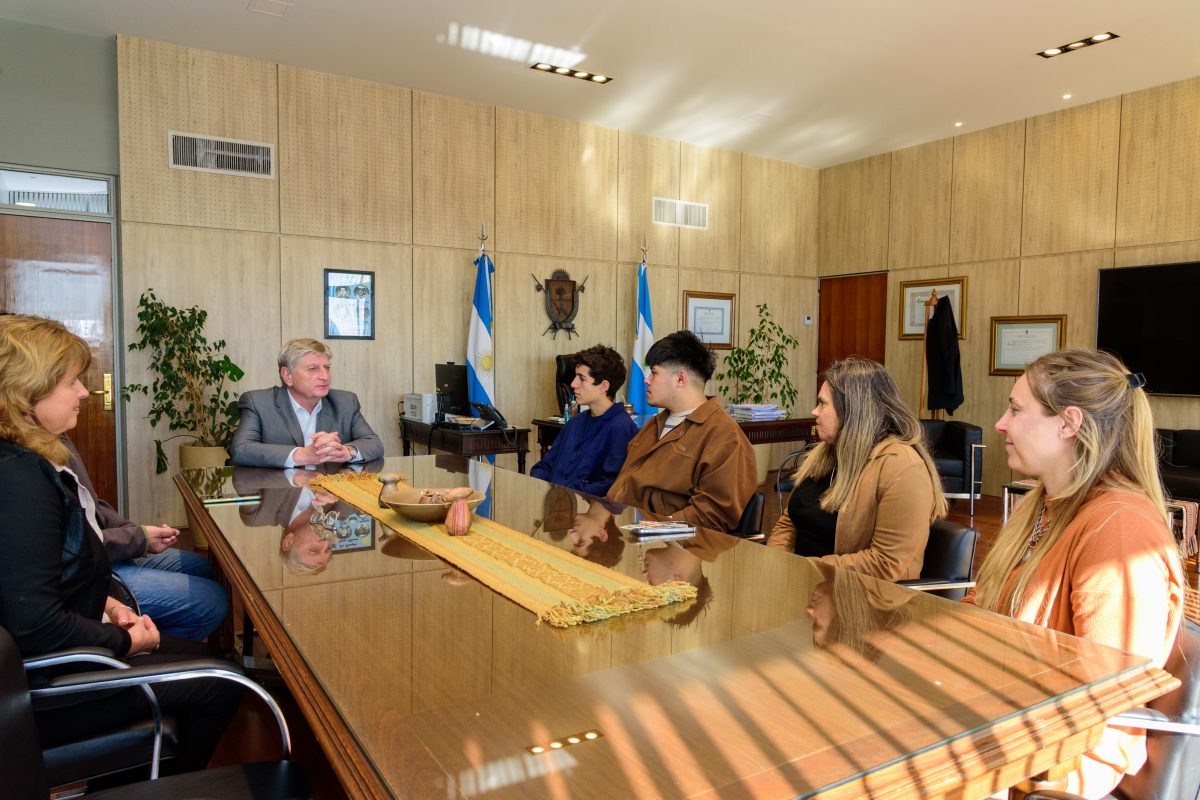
{"x":756,"y":412}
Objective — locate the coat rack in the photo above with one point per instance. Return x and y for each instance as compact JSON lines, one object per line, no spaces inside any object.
{"x":930,"y":305}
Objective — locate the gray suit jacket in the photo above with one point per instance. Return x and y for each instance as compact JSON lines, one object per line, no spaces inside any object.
{"x":268,"y":431}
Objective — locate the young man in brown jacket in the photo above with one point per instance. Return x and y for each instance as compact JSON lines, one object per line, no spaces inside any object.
{"x":691,"y":462}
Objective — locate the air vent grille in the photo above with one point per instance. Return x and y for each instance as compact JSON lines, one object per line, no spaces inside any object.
{"x":680,"y":213}
{"x":226,"y":156}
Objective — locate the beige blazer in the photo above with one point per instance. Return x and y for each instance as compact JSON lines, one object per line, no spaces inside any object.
{"x":884,"y":525}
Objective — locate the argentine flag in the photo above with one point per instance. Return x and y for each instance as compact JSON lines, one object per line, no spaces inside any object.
{"x":481,"y":375}
{"x":644,"y":338}
{"x":479,"y":478}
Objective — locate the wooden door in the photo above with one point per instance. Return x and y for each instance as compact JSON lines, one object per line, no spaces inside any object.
{"x":62,"y":269}
{"x":853,"y":318}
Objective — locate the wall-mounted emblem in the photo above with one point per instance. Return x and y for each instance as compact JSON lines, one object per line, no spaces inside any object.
{"x":562,"y":302}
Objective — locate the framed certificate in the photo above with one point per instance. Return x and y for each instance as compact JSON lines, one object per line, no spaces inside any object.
{"x":349,"y":304}
{"x":710,"y":315}
{"x":913,"y":295}
{"x":1018,"y":341}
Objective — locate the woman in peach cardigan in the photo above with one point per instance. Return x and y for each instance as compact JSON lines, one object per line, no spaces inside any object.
{"x":1088,"y":552}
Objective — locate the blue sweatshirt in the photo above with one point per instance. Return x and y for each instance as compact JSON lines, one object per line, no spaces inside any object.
{"x":589,"y":452}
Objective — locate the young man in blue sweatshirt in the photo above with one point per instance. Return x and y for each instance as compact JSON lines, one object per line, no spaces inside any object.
{"x":590,"y":450}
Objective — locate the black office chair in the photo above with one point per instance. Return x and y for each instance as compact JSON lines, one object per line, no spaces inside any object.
{"x":1172,"y":769}
{"x":564,"y":373}
{"x":949,"y":561}
{"x":783,"y":479}
{"x":957,"y":451}
{"x":750,"y":525}
{"x":23,"y":772}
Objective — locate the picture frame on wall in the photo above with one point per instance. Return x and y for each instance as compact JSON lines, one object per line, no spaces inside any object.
{"x":711,"y":316}
{"x":349,"y":304}
{"x":913,"y":295}
{"x":1019,"y":341}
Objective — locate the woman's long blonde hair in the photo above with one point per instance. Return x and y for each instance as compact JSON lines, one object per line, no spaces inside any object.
{"x":1113,"y":448}
{"x":870,"y":411}
{"x":35,"y":354}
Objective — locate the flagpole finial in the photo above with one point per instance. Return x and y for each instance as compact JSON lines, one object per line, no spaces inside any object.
{"x":643,"y":245}
{"x":482,"y":233}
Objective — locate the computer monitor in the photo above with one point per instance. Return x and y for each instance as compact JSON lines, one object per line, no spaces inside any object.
{"x":451,"y":379}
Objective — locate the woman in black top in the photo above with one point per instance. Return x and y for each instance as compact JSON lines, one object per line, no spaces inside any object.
{"x":54,"y":574}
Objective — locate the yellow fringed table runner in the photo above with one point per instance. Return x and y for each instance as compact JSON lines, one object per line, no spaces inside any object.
{"x":559,"y":587}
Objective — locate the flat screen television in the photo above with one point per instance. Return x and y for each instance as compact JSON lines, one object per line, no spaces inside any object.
{"x":1150,"y":318}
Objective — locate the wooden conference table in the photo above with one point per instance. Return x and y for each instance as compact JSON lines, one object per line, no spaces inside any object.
{"x":781,"y":680}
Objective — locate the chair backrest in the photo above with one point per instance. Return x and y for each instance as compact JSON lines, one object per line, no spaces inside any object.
{"x":752,"y":515}
{"x":564,"y":373}
{"x":1172,"y":768}
{"x":950,"y":555}
{"x":22,"y":771}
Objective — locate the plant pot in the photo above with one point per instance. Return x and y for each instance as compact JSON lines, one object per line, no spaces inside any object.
{"x":762,"y":460}
{"x":194,"y":456}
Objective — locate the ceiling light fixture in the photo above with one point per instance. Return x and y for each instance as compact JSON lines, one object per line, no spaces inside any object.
{"x":1067,"y":96}
{"x":569,"y":72}
{"x":564,"y":742}
{"x":1078,"y":44}
{"x":958,"y":124}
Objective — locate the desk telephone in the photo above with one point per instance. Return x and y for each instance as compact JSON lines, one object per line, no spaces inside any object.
{"x":490,"y":413}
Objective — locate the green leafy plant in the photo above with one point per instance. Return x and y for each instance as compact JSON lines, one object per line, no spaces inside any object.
{"x":189,"y":376}
{"x":755,"y":373}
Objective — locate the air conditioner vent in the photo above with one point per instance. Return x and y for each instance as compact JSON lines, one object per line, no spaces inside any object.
{"x":680,"y":213}
{"x":226,"y":156}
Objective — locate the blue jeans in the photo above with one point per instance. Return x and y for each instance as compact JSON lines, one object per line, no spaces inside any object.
{"x":175,"y":589}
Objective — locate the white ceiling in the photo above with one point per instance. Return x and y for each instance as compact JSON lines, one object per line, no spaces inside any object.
{"x":839,"y":80}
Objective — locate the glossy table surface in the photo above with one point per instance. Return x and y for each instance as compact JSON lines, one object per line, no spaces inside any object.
{"x":782,"y":679}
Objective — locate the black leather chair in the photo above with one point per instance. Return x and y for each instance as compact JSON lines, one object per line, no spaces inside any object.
{"x":957,"y":450}
{"x":1172,"y":724}
{"x":1179,"y":462}
{"x":564,"y":373}
{"x":23,"y":772}
{"x":750,"y":524}
{"x":783,"y":479}
{"x":949,"y":560}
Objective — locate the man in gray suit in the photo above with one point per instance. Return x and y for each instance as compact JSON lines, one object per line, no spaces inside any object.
{"x":303,"y":422}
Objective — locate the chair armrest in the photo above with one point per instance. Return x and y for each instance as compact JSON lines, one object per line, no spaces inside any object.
{"x":1151,"y":720}
{"x":75,"y":655}
{"x":935,"y":584}
{"x":83,"y":682}
{"x":1052,"y":794}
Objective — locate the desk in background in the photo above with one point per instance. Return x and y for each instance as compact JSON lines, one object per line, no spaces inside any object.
{"x":466,"y":443}
{"x":772,"y":432}
{"x":419,"y":682}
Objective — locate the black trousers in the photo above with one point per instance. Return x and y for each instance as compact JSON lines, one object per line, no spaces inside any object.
{"x":202,"y":708}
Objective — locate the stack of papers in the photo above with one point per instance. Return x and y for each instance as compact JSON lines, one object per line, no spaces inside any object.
{"x":756,"y":412}
{"x":647,"y":530}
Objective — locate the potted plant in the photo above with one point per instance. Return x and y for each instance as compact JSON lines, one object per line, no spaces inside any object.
{"x":755,"y":373}
{"x":189,"y":382}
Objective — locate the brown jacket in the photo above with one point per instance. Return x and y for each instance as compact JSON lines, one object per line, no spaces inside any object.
{"x":884,"y":525}
{"x":702,"y":471}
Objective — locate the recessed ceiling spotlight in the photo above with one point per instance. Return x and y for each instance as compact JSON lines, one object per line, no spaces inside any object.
{"x":1078,"y":44}
{"x":958,"y":124}
{"x":570,"y":72}
{"x":1067,"y":96}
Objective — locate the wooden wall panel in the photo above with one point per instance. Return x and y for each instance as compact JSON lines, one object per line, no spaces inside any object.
{"x":904,"y":355}
{"x":713,"y":176}
{"x":648,"y":168}
{"x":556,"y":187}
{"x":854,"y":216}
{"x":919,"y":230}
{"x":445,"y":280}
{"x":1065,"y":285}
{"x":524,"y":357}
{"x":454,"y":170}
{"x":1158,"y":197}
{"x":993,"y":289}
{"x":664,"y":305}
{"x":380,"y":372}
{"x":789,"y":300}
{"x":345,"y":161}
{"x":778,"y":217}
{"x":985,"y":212}
{"x":165,"y":88}
{"x":1071,"y":179}
{"x":235,"y":277}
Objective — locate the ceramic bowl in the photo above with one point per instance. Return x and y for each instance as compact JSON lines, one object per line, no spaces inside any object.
{"x":427,"y":512}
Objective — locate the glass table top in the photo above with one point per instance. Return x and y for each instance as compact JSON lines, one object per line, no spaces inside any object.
{"x":782,"y":672}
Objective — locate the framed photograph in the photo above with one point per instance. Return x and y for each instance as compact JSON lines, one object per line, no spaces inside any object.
{"x":710,"y":315}
{"x":913,"y":295}
{"x":1017,"y":341}
{"x":349,"y":304}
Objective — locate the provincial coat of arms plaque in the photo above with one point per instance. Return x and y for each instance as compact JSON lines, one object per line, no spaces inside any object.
{"x":562,"y":302}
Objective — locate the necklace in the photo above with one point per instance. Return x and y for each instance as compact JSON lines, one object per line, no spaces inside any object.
{"x":1038,"y":529}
